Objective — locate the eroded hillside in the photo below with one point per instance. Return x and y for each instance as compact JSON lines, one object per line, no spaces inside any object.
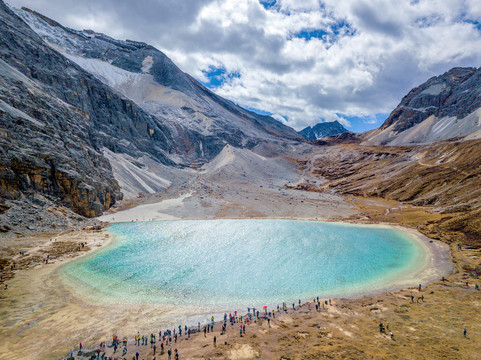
{"x":440,"y":184}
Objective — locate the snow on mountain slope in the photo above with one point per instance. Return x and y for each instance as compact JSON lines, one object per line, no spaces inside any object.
{"x":104,"y":71}
{"x":145,"y":75}
{"x":430,"y":130}
{"x":444,"y":107}
{"x":141,"y":87}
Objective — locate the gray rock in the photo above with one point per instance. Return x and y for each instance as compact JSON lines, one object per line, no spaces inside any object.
{"x":56,"y":120}
{"x":455,"y":93}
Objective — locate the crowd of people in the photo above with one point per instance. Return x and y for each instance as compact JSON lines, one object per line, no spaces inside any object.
{"x":166,"y":342}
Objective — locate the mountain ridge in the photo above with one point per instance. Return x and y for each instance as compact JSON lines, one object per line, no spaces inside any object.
{"x":321,"y":130}
{"x":143,"y":60}
{"x":444,"y":107}
{"x":68,"y":138}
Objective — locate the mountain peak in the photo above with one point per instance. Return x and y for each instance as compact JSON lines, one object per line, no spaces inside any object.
{"x":41,"y":16}
{"x":443,"y":107}
{"x":322,"y":130}
{"x":87,"y":119}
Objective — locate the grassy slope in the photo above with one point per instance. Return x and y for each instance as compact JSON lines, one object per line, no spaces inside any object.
{"x":438,"y":186}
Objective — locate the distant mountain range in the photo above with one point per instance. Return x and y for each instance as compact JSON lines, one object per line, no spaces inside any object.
{"x":322,"y":130}
{"x":444,"y":107}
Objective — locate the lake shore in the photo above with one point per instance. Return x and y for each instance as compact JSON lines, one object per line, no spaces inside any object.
{"x":431,"y":262}
{"x":52,"y":306}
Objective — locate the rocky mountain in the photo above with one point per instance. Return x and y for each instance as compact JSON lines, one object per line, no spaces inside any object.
{"x":321,"y":130}
{"x":86,"y":119}
{"x":147,"y":76}
{"x":444,"y":107}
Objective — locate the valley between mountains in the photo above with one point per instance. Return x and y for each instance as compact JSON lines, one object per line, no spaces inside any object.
{"x":95,"y":130}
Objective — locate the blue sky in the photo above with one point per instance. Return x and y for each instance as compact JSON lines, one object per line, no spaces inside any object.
{"x":301,"y":61}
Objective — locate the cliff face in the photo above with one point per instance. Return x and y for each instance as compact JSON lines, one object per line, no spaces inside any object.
{"x":77,"y":108}
{"x":47,"y":137}
{"x":35,"y":157}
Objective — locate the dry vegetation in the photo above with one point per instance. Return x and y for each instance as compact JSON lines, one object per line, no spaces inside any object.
{"x":435,"y":188}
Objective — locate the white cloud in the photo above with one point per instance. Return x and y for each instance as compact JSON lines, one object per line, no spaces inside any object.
{"x":396,"y":45}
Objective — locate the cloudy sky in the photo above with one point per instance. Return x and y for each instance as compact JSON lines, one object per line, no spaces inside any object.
{"x":301,"y":61}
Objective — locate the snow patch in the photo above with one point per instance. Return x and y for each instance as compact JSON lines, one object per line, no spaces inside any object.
{"x":147,"y":64}
{"x":55,"y":34}
{"x":104,"y":71}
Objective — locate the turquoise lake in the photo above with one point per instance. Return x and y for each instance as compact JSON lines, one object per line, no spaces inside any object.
{"x":223,"y":263}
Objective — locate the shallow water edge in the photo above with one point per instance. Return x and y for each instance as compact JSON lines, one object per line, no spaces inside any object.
{"x":432,"y":262}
